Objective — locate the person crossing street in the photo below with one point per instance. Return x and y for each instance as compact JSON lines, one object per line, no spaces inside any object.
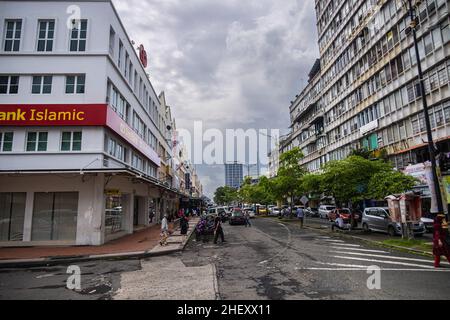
{"x":218,"y":231}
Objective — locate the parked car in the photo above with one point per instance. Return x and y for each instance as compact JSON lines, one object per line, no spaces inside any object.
{"x":379,"y":219}
{"x":221,"y":212}
{"x":237,"y":217}
{"x":428,"y":223}
{"x":344,"y":213}
{"x":312,"y":212}
{"x":262,"y":210}
{"x":275,"y":211}
{"x":324,"y":211}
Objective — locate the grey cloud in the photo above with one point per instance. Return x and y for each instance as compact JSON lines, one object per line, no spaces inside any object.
{"x":233,"y":64}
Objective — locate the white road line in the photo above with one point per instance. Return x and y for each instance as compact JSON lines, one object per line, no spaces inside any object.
{"x":342,"y":265}
{"x":348,"y":245}
{"x":331,"y":240}
{"x":383,"y":256}
{"x":357,"y":249}
{"x":282,"y":251}
{"x":381,"y":269}
{"x":385,"y":262}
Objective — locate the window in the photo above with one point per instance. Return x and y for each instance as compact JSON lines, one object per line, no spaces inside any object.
{"x":71,"y":141}
{"x":42,"y":85}
{"x":116,"y":150}
{"x":37,"y":141}
{"x":428,"y":44}
{"x":46,"y":34}
{"x":9,"y":84}
{"x":12,"y":216}
{"x":54,"y":216}
{"x":6,"y":141}
{"x":78,"y":35}
{"x":437,"y":38}
{"x":112,"y":40}
{"x":119,"y":62}
{"x":12,"y":35}
{"x":446,"y":33}
{"x":75,"y":84}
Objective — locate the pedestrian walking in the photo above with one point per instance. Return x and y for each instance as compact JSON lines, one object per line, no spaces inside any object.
{"x":301,"y":216}
{"x":218,"y":231}
{"x":164,"y":231}
{"x":184,"y":225}
{"x":150,"y":216}
{"x":247,"y":219}
{"x":441,"y":245}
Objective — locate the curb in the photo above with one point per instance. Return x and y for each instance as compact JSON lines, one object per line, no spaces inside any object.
{"x":52,"y":261}
{"x":373,"y":242}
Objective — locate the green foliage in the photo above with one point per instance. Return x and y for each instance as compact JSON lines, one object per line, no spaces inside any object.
{"x":386,"y":183}
{"x":312,"y":184}
{"x":225,"y":195}
{"x":348,"y":179}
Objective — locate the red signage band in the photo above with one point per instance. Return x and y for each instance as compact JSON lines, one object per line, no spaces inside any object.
{"x":75,"y":115}
{"x":53,"y":115}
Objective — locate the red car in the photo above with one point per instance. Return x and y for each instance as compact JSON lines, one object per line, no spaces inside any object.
{"x":344,"y":213}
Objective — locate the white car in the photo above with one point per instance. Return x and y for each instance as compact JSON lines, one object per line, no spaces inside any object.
{"x":325,"y":210}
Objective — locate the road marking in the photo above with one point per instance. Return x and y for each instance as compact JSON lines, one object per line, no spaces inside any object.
{"x":385,"y":262}
{"x":282,"y":251}
{"x":357,"y":249}
{"x":331,"y":240}
{"x":349,"y":245}
{"x":384,"y":256}
{"x":342,"y":265}
{"x":381,"y":269}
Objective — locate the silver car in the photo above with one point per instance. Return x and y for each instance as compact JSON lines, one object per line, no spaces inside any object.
{"x":325,"y":210}
{"x":379,"y":219}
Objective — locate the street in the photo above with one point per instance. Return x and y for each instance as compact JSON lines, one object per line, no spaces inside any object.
{"x":267,"y":261}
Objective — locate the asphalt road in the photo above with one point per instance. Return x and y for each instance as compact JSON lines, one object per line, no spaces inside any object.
{"x":277,"y":261}
{"x":268,"y":261}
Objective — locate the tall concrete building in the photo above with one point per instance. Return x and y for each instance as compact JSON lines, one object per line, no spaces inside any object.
{"x":363,"y":92}
{"x":85,"y":149}
{"x":234,"y":174}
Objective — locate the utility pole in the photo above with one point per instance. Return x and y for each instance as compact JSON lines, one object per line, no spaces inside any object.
{"x":431,"y":148}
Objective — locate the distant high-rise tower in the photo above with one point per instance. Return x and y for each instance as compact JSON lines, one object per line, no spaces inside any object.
{"x":234,"y":175}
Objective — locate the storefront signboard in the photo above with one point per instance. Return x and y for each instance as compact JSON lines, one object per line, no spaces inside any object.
{"x":53,"y":115}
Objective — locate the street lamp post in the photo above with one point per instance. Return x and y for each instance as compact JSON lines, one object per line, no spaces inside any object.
{"x":431,"y":148}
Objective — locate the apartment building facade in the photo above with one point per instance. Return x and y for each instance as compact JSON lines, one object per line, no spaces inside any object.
{"x":363,"y":92}
{"x":85,"y":141}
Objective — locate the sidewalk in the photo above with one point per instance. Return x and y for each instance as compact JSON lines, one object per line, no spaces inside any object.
{"x":143,"y":243}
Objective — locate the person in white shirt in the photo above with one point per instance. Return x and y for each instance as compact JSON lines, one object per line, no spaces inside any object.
{"x":164,"y":231}
{"x":340,"y":224}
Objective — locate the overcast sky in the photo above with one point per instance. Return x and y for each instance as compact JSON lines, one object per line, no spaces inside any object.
{"x":232,"y":64}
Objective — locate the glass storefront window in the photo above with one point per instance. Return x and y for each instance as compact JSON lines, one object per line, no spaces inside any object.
{"x":114,"y":214}
{"x":55,"y":216}
{"x":12,"y":216}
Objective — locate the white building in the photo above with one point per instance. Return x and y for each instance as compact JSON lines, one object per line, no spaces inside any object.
{"x":82,"y":137}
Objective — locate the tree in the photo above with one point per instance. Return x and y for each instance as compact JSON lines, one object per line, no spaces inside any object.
{"x":225,"y":195}
{"x":386,"y":183}
{"x":288,"y":183}
{"x":348,"y":179}
{"x":312,"y":185}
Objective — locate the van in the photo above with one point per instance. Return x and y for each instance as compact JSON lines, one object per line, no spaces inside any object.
{"x":379,"y":219}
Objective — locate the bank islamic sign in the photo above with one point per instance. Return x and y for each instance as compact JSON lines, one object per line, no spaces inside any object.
{"x":74,"y":115}
{"x":50,"y":115}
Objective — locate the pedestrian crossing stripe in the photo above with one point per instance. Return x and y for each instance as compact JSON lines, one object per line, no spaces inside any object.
{"x":384,"y":256}
{"x":358,"y":249}
{"x":385,"y":262}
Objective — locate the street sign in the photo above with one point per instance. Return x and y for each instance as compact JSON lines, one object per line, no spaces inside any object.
{"x":304,"y":200}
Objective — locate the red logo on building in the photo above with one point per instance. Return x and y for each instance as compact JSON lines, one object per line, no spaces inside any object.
{"x":143,"y":55}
